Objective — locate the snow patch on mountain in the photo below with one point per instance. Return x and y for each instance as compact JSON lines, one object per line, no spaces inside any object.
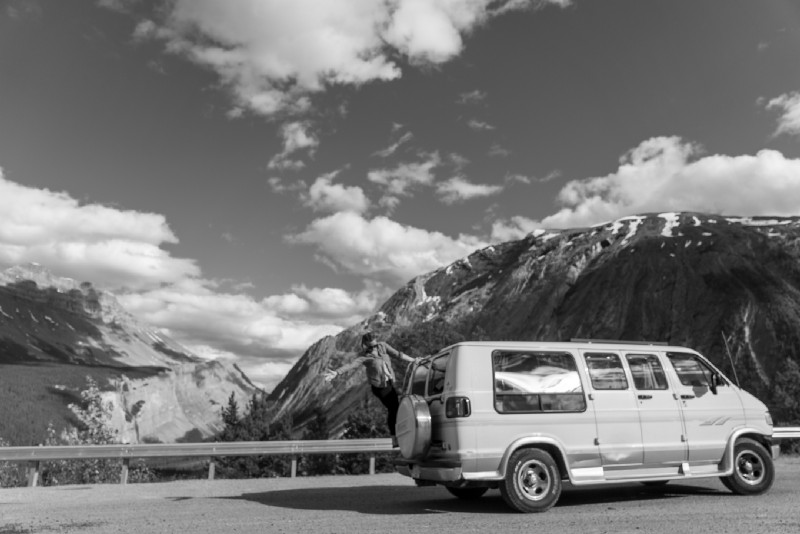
{"x":672,"y":220}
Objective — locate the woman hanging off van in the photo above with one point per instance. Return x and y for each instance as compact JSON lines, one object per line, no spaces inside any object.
{"x":375,"y":357}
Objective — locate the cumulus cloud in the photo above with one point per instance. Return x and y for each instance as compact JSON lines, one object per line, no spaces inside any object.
{"x":228,"y":326}
{"x":86,"y":241}
{"x":280,"y":186}
{"x":472,"y":97}
{"x":403,"y":179}
{"x":499,"y":151}
{"x":297,"y":137}
{"x":514,"y":228}
{"x":329,"y":303}
{"x":121,"y":250}
{"x":272,"y":58}
{"x":261,"y":336}
{"x":668,"y":174}
{"x":195,"y":310}
{"x":458,"y":189}
{"x":789,"y":105}
{"x":382,"y":248}
{"x":326,"y":196}
{"x":478,"y":126}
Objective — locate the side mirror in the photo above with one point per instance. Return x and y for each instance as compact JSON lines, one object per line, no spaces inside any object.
{"x":715,"y":382}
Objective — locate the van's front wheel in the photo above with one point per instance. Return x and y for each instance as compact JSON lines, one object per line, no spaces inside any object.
{"x":532,"y":482}
{"x":753,"y":470}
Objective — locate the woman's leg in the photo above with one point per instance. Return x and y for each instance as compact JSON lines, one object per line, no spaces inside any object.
{"x":388,"y":397}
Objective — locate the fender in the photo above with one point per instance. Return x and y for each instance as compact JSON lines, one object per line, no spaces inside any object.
{"x":726,"y":465}
{"x":535,"y":440}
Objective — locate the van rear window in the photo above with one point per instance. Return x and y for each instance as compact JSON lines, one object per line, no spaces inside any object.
{"x":527,"y":382}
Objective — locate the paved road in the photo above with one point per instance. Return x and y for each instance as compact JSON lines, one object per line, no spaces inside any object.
{"x":391,"y":503}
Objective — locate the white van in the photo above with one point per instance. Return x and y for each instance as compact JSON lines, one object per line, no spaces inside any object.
{"x":525,"y":416}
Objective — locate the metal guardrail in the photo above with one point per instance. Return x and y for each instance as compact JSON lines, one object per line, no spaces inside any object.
{"x":786,"y":432}
{"x":35,"y":455}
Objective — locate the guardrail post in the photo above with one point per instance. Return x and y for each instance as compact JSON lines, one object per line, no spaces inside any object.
{"x":33,"y":473}
{"x":212,"y":466}
{"x":126,"y":464}
{"x":372,"y":465}
{"x":294,"y":466}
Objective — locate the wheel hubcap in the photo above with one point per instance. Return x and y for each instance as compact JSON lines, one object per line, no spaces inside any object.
{"x":533,"y":480}
{"x":749,"y":467}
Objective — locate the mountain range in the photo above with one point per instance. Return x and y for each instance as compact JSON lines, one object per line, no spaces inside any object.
{"x":728,"y":287}
{"x":55,"y":332}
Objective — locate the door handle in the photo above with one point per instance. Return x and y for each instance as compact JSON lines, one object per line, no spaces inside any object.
{"x":685,"y":397}
{"x":645,"y":397}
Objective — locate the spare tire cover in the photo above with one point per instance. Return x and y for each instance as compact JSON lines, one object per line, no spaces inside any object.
{"x":413,"y":427}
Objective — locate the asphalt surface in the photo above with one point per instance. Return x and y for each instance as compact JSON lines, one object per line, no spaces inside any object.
{"x":392,"y":503}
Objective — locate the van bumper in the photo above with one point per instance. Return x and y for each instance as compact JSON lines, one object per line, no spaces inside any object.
{"x":433,"y":471}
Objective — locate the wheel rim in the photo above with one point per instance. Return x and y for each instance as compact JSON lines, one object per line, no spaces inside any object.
{"x":750,"y":468}
{"x":533,"y":480}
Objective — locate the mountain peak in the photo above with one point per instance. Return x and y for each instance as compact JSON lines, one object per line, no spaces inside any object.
{"x":38,"y":273}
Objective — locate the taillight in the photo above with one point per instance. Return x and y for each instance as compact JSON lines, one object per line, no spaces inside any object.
{"x":769,"y":419}
{"x":457,"y":407}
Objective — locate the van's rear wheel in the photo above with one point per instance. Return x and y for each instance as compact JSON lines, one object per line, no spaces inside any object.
{"x":533,"y":481}
{"x":468,"y":494}
{"x":753,"y":470}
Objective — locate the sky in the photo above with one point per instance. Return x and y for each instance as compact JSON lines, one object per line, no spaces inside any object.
{"x":249,"y":176}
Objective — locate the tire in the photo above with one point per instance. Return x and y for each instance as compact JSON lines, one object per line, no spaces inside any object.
{"x":753,"y":470}
{"x":413,"y":427}
{"x":468,"y":494}
{"x":532,"y":482}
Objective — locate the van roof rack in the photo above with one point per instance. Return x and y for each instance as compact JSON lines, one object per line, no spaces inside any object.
{"x":621,"y":341}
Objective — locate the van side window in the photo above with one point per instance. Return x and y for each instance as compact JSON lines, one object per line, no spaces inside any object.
{"x":536,"y":382}
{"x":691,"y":370}
{"x":605,"y":370}
{"x":418,"y":379}
{"x":436,"y":382}
{"x":646,"y":371}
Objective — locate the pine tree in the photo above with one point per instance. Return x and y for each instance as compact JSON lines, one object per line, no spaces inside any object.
{"x":255,"y":425}
{"x":230,"y":418}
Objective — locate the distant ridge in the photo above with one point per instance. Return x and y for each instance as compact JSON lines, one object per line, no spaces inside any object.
{"x":57,"y":327}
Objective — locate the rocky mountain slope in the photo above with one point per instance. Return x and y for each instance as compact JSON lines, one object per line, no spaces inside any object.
{"x":726,"y":286}
{"x":159,"y":389}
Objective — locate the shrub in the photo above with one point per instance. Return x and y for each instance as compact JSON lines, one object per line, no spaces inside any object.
{"x":94,"y":415}
{"x":12,"y":474}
